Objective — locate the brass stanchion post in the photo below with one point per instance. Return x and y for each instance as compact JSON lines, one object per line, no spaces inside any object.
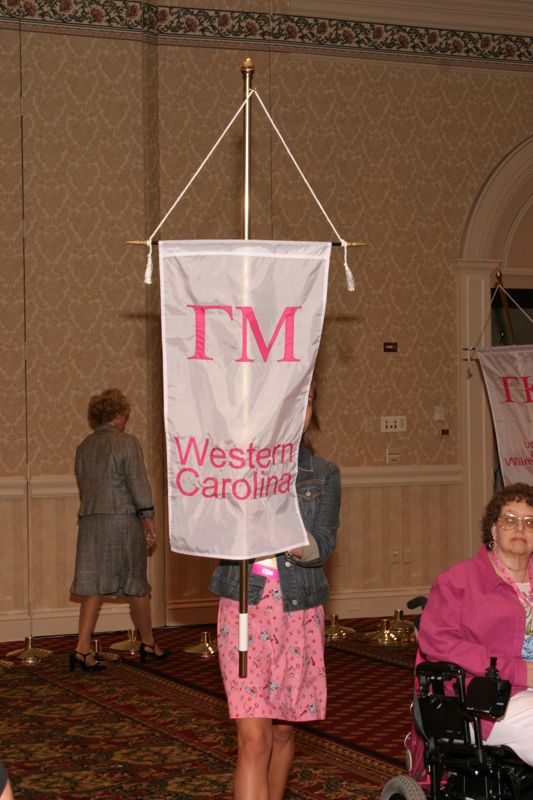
{"x":29,"y":653}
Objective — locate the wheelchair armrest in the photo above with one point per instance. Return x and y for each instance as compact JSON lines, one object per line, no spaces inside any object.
{"x":441,"y":670}
{"x":488,"y":696}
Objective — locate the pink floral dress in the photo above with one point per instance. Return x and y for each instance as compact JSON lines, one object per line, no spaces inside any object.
{"x":286,"y":677}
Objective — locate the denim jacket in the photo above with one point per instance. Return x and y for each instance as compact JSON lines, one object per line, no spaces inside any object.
{"x":303,"y":582}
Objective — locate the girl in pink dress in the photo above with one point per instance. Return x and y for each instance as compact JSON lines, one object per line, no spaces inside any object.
{"x":286,"y":679}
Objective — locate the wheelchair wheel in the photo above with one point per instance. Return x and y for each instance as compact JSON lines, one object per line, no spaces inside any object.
{"x":402,"y":788}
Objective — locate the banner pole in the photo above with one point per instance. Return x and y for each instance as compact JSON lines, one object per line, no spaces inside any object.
{"x":247,"y":70}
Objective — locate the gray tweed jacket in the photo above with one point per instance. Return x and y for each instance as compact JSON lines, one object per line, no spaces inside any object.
{"x":111,"y":474}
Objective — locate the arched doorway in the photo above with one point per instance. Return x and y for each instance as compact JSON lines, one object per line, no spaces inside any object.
{"x":498,"y":235}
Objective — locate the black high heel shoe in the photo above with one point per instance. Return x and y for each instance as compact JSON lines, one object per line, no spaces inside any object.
{"x":148,"y":651}
{"x":74,"y":661}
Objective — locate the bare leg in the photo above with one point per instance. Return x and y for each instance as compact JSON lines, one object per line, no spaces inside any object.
{"x":255,"y":749}
{"x":281,"y":761}
{"x":89,"y":610}
{"x":141,"y":614}
{"x":7,"y":794}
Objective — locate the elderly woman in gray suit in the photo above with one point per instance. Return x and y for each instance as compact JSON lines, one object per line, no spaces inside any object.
{"x":116,"y":526}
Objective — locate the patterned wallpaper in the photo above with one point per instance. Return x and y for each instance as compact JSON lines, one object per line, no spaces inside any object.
{"x":114,"y":126}
{"x":84,"y":184}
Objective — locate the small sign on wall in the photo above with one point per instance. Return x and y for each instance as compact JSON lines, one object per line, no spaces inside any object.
{"x":390,"y":347}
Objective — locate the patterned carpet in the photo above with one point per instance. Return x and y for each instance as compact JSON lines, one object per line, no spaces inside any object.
{"x":161,"y":730}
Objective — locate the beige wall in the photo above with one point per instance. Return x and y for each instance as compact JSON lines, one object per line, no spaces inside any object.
{"x":114,"y":123}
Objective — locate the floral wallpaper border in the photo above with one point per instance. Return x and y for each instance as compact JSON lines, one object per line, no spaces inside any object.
{"x":251,"y":28}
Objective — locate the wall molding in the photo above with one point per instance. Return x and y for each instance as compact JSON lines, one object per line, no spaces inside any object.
{"x":494,"y":198}
{"x":372,"y":602}
{"x":46,"y":486}
{"x":53,"y":486}
{"x":353,"y":477}
{"x":39,"y":486}
{"x":513,"y":16}
{"x":482,"y":266}
{"x":516,"y":224}
{"x":13,"y":488}
{"x":430,"y":39}
{"x":349,"y":604}
{"x":59,"y":622}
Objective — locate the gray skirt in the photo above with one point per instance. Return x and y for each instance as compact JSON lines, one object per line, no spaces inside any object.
{"x":111,"y":556}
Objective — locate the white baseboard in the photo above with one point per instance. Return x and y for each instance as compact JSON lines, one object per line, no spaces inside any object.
{"x":376,"y":603}
{"x":115,"y":616}
{"x":59,"y":623}
{"x":200,"y":612}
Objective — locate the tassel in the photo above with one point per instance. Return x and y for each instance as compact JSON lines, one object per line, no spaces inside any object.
{"x":149,"y":265}
{"x":350,"y":282}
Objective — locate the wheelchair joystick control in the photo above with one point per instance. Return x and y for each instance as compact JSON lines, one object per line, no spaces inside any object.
{"x":492,"y":672}
{"x":489,"y":694}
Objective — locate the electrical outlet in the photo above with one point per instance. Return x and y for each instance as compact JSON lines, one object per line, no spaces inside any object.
{"x":395,"y":557}
{"x":439,"y":413}
{"x":393,"y":456}
{"x":393,"y":424}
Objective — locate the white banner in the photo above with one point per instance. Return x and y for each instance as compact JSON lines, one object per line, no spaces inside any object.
{"x":241,"y":325}
{"x":508,"y":373}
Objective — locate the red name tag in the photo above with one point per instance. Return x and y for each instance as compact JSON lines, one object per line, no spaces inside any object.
{"x":266,"y":571}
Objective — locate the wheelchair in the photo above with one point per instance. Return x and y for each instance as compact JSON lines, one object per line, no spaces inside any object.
{"x":445,"y":753}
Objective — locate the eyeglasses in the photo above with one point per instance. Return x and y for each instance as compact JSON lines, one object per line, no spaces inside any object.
{"x":510,"y":521}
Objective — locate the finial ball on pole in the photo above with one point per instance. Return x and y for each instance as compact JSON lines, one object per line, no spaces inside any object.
{"x":247,"y":67}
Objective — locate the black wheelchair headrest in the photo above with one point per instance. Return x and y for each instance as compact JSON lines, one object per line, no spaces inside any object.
{"x":417,"y":602}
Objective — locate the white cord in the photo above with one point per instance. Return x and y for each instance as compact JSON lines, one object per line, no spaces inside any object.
{"x":149,"y":263}
{"x":494,"y":293}
{"x":349,"y":275}
{"x":526,"y":315}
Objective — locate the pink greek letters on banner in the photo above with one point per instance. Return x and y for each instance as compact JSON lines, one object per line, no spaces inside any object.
{"x":248,"y":316}
{"x":241,"y":327}
{"x":508,"y":374}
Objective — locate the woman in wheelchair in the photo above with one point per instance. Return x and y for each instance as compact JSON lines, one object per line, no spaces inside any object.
{"x":483,"y":607}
